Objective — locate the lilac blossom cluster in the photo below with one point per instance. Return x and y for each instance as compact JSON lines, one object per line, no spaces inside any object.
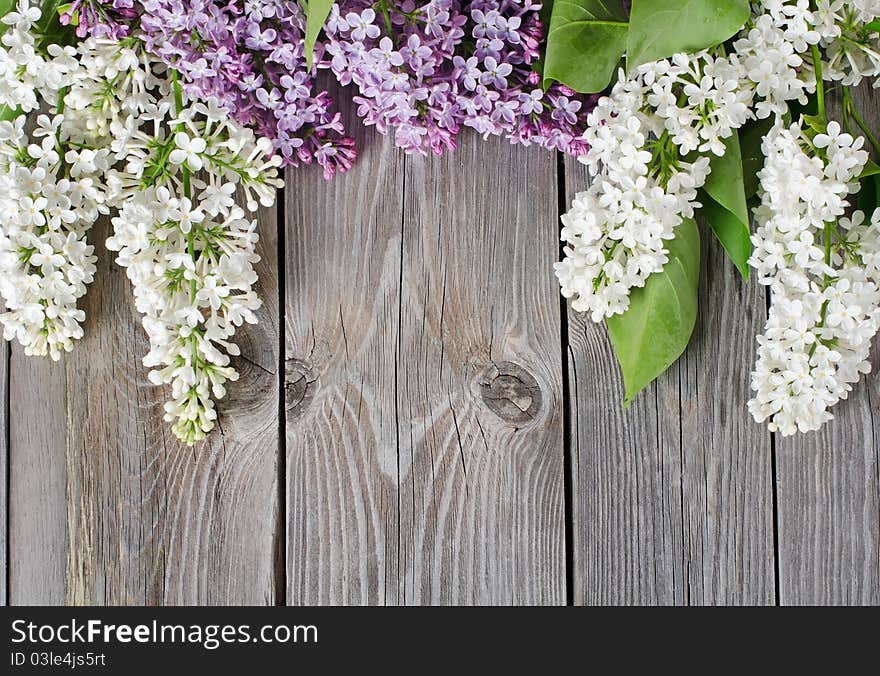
{"x":100,"y":18}
{"x":427,"y":69}
{"x":423,"y":70}
{"x":249,"y":56}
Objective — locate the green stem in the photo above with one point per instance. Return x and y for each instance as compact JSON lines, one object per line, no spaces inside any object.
{"x":850,"y":112}
{"x":58,"y":147}
{"x":386,"y":15}
{"x":187,"y":191}
{"x":829,"y":230}
{"x":820,"y":86}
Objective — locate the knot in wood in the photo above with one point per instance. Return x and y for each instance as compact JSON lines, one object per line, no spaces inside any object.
{"x":511,"y":392}
{"x":298,"y":387}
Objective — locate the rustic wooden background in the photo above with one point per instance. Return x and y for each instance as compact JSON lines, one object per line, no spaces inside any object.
{"x":420,"y":420}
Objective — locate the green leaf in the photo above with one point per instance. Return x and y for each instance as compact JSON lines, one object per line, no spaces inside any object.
{"x":6,"y":7}
{"x":817,"y":123}
{"x":871,"y":169}
{"x":725,"y":206}
{"x":751,"y":138}
{"x":317,"y":12}
{"x":731,"y":231}
{"x":585,"y":44}
{"x":660,"y":28}
{"x":8,"y":114}
{"x":869,"y":195}
{"x":725,"y":184}
{"x":658,"y":325}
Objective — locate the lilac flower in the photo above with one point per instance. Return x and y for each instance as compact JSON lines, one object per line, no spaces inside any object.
{"x":247,"y":55}
{"x":445,"y":65}
{"x":100,"y":18}
{"x":362,"y":25}
{"x":422,"y":69}
{"x":495,"y":73}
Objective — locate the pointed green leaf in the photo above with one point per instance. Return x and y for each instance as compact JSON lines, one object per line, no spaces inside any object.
{"x":585,"y":44}
{"x":731,"y":231}
{"x":725,"y":206}
{"x":751,"y":138}
{"x":725,"y":183}
{"x":317,"y":12}
{"x":871,"y":169}
{"x":654,"y":332}
{"x":661,"y":28}
{"x":817,"y":123}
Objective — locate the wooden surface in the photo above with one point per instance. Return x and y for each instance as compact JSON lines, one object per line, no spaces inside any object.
{"x":672,"y":499}
{"x":829,"y":489}
{"x":420,"y":420}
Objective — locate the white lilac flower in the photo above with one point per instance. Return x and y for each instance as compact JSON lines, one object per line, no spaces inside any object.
{"x":701,"y":99}
{"x":771,"y":51}
{"x":187,"y":248}
{"x":616,"y":232}
{"x":851,"y":48}
{"x":822,"y":271}
{"x":774,"y":47}
{"x":868,"y":10}
{"x":51,"y":193}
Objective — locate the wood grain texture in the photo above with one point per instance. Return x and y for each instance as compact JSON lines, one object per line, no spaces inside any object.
{"x":342,"y":322}
{"x":38,"y":393}
{"x":727,"y":469}
{"x":108,"y":508}
{"x":829,"y":489}
{"x":480,"y":380}
{"x":829,"y":507}
{"x":672,"y":498}
{"x":403,"y":290}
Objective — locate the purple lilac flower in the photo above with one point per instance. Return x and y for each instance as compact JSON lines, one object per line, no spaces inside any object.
{"x":422,"y":70}
{"x":426,"y":69}
{"x":249,"y":56}
{"x":100,"y":18}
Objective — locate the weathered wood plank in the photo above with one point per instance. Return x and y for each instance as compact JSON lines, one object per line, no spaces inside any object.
{"x":37,"y":488}
{"x":829,"y":507}
{"x":727,"y":471}
{"x":672,"y":498}
{"x":626,"y":472}
{"x":404,"y":487}
{"x":342,"y":315}
{"x":480,"y":380}
{"x":829,"y":490}
{"x":108,"y":508}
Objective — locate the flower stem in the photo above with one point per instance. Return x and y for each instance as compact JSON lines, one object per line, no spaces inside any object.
{"x":850,"y":112}
{"x":187,"y":191}
{"x":187,"y":188}
{"x":829,"y":229}
{"x":820,"y":85}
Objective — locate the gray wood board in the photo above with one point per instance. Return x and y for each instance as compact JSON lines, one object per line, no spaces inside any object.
{"x":672,"y":498}
{"x":423,"y":380}
{"x":106,"y":507}
{"x":829,"y":488}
